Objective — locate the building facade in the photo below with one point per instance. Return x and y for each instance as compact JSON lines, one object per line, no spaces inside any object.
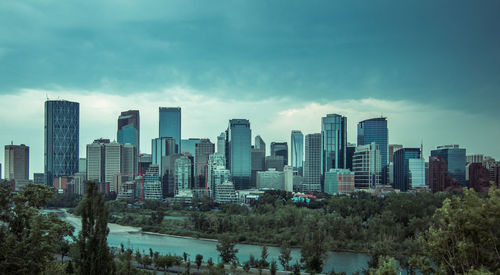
{"x":280,"y":149}
{"x":239,"y":158}
{"x":333,"y":142}
{"x":375,"y":130}
{"x":367,"y":166}
{"x":17,"y":162}
{"x":402,"y":173}
{"x":312,"y":163}
{"x":297,"y":152}
{"x":129,"y":130}
{"x":170,"y":125}
{"x":270,"y":180}
{"x":162,"y":147}
{"x":221,"y":143}
{"x":339,"y":181}
{"x":202,"y":152}
{"x":455,"y":159}
{"x":61,"y":138}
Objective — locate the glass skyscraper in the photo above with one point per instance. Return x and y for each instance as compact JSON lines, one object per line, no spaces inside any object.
{"x":375,"y":130}
{"x":333,"y":142}
{"x":239,"y":142}
{"x":61,"y":138}
{"x":455,"y":159}
{"x":297,"y":155}
{"x":280,"y":149}
{"x":170,"y":124}
{"x":403,"y":168}
{"x":129,"y":128}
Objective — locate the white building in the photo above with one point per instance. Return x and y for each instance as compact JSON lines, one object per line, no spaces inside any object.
{"x":366,"y":163}
{"x":288,"y":178}
{"x":271,"y":179}
{"x":182,"y":174}
{"x":95,"y":162}
{"x":112,"y":163}
{"x":225,"y":193}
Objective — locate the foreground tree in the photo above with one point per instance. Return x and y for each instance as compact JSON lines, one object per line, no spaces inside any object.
{"x":285,"y":256}
{"x":314,"y":246}
{"x":386,"y":266}
{"x":95,"y":257}
{"x":29,"y":239}
{"x":464,"y":236}
{"x":199,"y":260}
{"x":226,"y":249}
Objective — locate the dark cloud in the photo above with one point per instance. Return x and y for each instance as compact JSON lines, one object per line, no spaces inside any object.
{"x":447,"y":51}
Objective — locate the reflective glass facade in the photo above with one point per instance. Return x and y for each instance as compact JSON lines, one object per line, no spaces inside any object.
{"x":402,"y":176}
{"x":455,"y":159}
{"x":170,"y":125}
{"x":129,"y":128}
{"x":161,"y":147}
{"x":333,"y":142}
{"x":297,"y":154}
{"x":280,"y":149}
{"x":61,"y":138}
{"x":375,"y":130}
{"x":239,"y":137}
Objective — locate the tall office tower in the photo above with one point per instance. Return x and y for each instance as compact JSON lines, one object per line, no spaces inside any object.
{"x":129,"y":129}
{"x":258,"y":163}
{"x":95,"y":162}
{"x":280,"y":149}
{"x":350,"y":149}
{"x":182,"y":174}
{"x":82,"y":165}
{"x":312,"y":163}
{"x":189,"y":145}
{"x":375,"y":130}
{"x":239,"y":137}
{"x":170,"y":125}
{"x":128,"y":162}
{"x":202,"y":151}
{"x":288,"y":178}
{"x":112,"y":164}
{"x":366,"y":165}
{"x":161,"y":147}
{"x":333,"y":142}
{"x":274,"y":162}
{"x":152,"y":184}
{"x":438,"y":174}
{"x":409,"y":169}
{"x":260,"y":144}
{"x":17,"y":162}
{"x":392,"y":149}
{"x":297,"y":153}
{"x":215,"y":161}
{"x":455,"y":159}
{"x":221,"y":143}
{"x":62,"y":135}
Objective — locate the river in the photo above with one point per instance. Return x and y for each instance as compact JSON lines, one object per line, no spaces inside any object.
{"x":132,"y":237}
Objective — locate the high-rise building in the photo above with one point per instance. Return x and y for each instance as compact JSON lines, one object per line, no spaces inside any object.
{"x":288,"y":178}
{"x":95,"y":161}
{"x":239,"y":158}
{"x":333,"y":142}
{"x":128,"y":162}
{"x":152,"y":183}
{"x":375,"y":130}
{"x":202,"y":152}
{"x":161,"y":147}
{"x":182,"y":174}
{"x":339,"y":181}
{"x":17,"y":162}
{"x":455,"y":159}
{"x":350,"y":149}
{"x":438,"y":174}
{"x":366,"y":164}
{"x":280,"y":149}
{"x":129,"y":128}
{"x":112,"y":164}
{"x":312,"y":163}
{"x":258,"y":163}
{"x":392,"y":149}
{"x":38,"y":178}
{"x":274,"y":162}
{"x":221,"y":143}
{"x":215,"y":161}
{"x":62,"y":134}
{"x":260,"y":144}
{"x":82,"y":165}
{"x":409,"y":169}
{"x":219,"y":175}
{"x":297,"y":154}
{"x":225,"y":193}
{"x":271,"y":180}
{"x":170,"y":125}
{"x":189,"y":146}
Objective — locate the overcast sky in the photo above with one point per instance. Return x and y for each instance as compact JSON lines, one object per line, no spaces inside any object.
{"x":432,"y":67}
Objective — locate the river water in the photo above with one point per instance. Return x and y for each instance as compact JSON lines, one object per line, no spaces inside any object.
{"x":132,"y":237}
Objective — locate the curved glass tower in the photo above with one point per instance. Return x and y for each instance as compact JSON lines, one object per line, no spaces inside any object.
{"x":62,"y":134}
{"x":297,"y":155}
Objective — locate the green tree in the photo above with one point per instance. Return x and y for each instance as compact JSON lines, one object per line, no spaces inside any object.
{"x":386,"y":266}
{"x":296,"y":268}
{"x":263,"y":263}
{"x":226,"y":249}
{"x":274,"y":267}
{"x":246,"y":267}
{"x":285,"y":255}
{"x":314,"y":246}
{"x":95,"y":257}
{"x":199,"y":260}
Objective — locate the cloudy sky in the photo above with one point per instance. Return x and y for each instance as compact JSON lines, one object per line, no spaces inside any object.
{"x":432,"y":67}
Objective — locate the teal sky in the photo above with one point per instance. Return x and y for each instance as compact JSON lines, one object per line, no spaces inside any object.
{"x":429,"y":66}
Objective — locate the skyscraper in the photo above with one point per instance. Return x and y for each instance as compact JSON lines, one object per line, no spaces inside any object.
{"x":455,"y":159}
{"x":239,"y":141}
{"x":333,"y":142}
{"x":280,"y":149}
{"x":312,"y":163}
{"x":189,"y":145}
{"x":170,"y":125}
{"x":129,"y":128}
{"x":221,"y":143}
{"x":95,"y":161}
{"x":392,"y":149}
{"x":409,"y":169}
{"x":161,"y":147}
{"x":297,"y":155}
{"x":112,"y":164}
{"x":366,"y":165}
{"x":375,"y":130}
{"x":260,"y":144}
{"x":17,"y":162}
{"x":202,"y":151}
{"x":62,"y":134}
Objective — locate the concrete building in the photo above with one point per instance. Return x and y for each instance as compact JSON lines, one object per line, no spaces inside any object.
{"x":62,"y":137}
{"x":127,"y":191}
{"x":258,"y":163}
{"x":152,"y":184}
{"x":274,"y":162}
{"x":203,"y":150}
{"x":17,"y":162}
{"x":82,"y":165}
{"x":312,"y":163}
{"x":78,"y":182}
{"x":367,"y":166}
{"x":474,"y":158}
{"x":221,"y":143}
{"x":112,"y":163}
{"x":339,"y":181}
{"x":95,"y":161}
{"x":479,"y":177}
{"x":270,"y":179}
{"x":225,"y":193}
{"x":288,"y":172}
{"x":182,"y":173}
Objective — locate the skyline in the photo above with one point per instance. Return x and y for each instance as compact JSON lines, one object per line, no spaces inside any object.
{"x":431,"y":68}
